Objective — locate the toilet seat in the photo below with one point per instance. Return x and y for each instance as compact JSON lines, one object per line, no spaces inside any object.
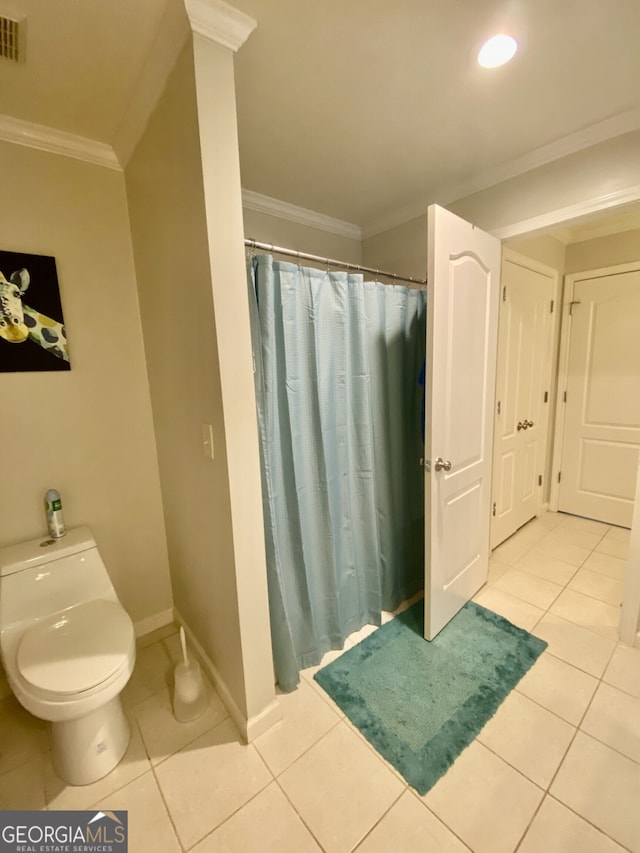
{"x":76,"y":650}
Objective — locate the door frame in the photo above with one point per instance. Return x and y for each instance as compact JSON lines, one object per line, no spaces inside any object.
{"x":563,"y":366}
{"x":551,"y":357}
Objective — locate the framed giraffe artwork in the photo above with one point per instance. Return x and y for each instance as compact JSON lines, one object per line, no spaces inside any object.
{"x":32,"y":332}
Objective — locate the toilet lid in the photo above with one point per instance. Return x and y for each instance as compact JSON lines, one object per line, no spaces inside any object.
{"x":77,"y":649}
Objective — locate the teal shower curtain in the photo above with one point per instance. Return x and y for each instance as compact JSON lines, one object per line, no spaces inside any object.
{"x":337,"y":367}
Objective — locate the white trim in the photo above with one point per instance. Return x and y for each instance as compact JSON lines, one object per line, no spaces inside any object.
{"x":54,"y":141}
{"x":629,"y":195}
{"x":302,"y":215}
{"x":249,"y":728}
{"x":152,"y":80}
{"x":152,"y":623}
{"x":220,"y":22}
{"x":617,"y":125}
{"x":630,"y":614}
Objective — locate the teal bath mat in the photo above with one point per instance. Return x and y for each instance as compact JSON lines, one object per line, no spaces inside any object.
{"x":421,"y":703}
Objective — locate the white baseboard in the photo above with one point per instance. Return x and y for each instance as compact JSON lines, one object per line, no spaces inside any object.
{"x":249,"y":728}
{"x":545,"y":507}
{"x":152,"y":623}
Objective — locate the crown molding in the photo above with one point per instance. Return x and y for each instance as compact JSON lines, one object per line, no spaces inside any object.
{"x":55,"y":141}
{"x":602,"y":131}
{"x":293,"y":213}
{"x":220,"y":22}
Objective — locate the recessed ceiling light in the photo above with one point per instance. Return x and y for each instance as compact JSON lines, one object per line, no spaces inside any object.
{"x":497,"y":50}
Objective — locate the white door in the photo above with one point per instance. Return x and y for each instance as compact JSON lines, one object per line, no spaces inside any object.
{"x":602,"y":409}
{"x":462,"y":332}
{"x":523,"y":384}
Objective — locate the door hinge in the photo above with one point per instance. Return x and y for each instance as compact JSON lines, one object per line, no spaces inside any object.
{"x":564,"y":397}
{"x":499,"y":406}
{"x":546,"y":396}
{"x":539,"y":479}
{"x":494,"y":510}
{"x":504,"y":293}
{"x":559,"y":475}
{"x":552,"y":306}
{"x":571,"y":304}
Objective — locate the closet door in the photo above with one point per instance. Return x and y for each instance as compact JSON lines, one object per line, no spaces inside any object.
{"x":462,"y":334}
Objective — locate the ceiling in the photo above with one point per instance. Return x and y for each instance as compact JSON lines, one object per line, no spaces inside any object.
{"x":355,"y":108}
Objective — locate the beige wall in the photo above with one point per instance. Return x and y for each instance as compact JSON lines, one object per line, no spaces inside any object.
{"x":597,"y":172}
{"x":302,"y":238}
{"x":402,"y":250}
{"x":548,"y":250}
{"x":87,"y":432}
{"x":171,"y":238}
{"x":622,"y":248}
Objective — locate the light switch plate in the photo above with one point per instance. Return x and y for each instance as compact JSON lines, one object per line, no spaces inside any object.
{"x":207,"y":440}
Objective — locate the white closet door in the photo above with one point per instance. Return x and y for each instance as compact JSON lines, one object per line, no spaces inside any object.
{"x":602,"y":410}
{"x":523,"y":377}
{"x":462,"y":332}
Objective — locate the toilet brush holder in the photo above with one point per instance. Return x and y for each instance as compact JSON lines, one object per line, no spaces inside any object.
{"x":189,"y":695}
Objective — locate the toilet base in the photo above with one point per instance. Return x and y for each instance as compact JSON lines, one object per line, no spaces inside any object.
{"x":86,"y":749}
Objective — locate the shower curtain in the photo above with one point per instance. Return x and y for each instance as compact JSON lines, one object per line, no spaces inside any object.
{"x":337,"y":366}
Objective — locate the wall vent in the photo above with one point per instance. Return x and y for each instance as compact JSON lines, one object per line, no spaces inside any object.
{"x":12,"y":38}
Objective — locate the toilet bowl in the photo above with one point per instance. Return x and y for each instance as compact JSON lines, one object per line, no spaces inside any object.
{"x":68,"y":648}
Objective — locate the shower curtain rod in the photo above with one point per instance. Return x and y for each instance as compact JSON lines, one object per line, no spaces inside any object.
{"x":278,"y":250}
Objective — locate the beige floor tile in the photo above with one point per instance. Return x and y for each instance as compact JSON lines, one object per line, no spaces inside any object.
{"x":528,"y":737}
{"x":586,"y":525}
{"x":622,"y":534}
{"x":623,"y":671}
{"x":340,"y":789}
{"x":598,"y":586}
{"x":149,"y":828}
{"x":614,"y":546}
{"x":603,"y":787}
{"x":496,"y":571}
{"x":580,"y":536}
{"x":163,"y":734}
{"x":208,"y":780}
{"x":22,"y":736}
{"x":511,"y":550}
{"x":484,"y":801}
{"x":614,"y":718}
{"x":62,"y":796}
{"x":555,"y":829}
{"x":328,"y":658}
{"x":266,"y":824}
{"x":559,"y":687}
{"x":154,"y":636}
{"x":574,"y":644}
{"x":409,"y":825}
{"x":553,"y":546}
{"x":305,"y":718}
{"x":153,"y":672}
{"x":534,"y":590}
{"x":542,"y":566}
{"x":519,"y":612}
{"x":549,"y":519}
{"x":605,"y":564}
{"x":596,"y":616}
{"x":23,"y":787}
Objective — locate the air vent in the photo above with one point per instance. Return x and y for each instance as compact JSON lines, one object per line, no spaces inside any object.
{"x":12,"y":33}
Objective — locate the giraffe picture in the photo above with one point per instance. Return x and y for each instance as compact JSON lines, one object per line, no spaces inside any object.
{"x":32,"y":332}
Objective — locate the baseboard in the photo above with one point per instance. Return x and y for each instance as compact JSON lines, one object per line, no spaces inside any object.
{"x":152,"y":623}
{"x":545,"y":507}
{"x":249,"y":728}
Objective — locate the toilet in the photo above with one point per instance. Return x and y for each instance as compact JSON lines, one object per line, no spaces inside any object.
{"x":68,"y":649}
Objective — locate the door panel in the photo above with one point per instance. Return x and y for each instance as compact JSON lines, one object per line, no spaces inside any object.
{"x":462,"y":320}
{"x":523,"y":376}
{"x":602,"y":412}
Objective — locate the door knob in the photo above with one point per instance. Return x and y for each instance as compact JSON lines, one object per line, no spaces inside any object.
{"x":528,"y":423}
{"x":520,"y":426}
{"x":441,"y":465}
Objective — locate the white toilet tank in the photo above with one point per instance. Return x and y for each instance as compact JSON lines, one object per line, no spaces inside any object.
{"x":44,"y":576}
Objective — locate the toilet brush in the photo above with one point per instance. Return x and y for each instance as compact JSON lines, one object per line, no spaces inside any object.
{"x":189,"y":697}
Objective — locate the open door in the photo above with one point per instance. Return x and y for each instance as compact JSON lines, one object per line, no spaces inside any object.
{"x":462,"y":335}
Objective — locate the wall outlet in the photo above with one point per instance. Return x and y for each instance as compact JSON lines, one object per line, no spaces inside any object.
{"x":207,"y":440}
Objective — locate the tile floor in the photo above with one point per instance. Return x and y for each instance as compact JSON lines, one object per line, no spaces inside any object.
{"x":557,"y":770}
